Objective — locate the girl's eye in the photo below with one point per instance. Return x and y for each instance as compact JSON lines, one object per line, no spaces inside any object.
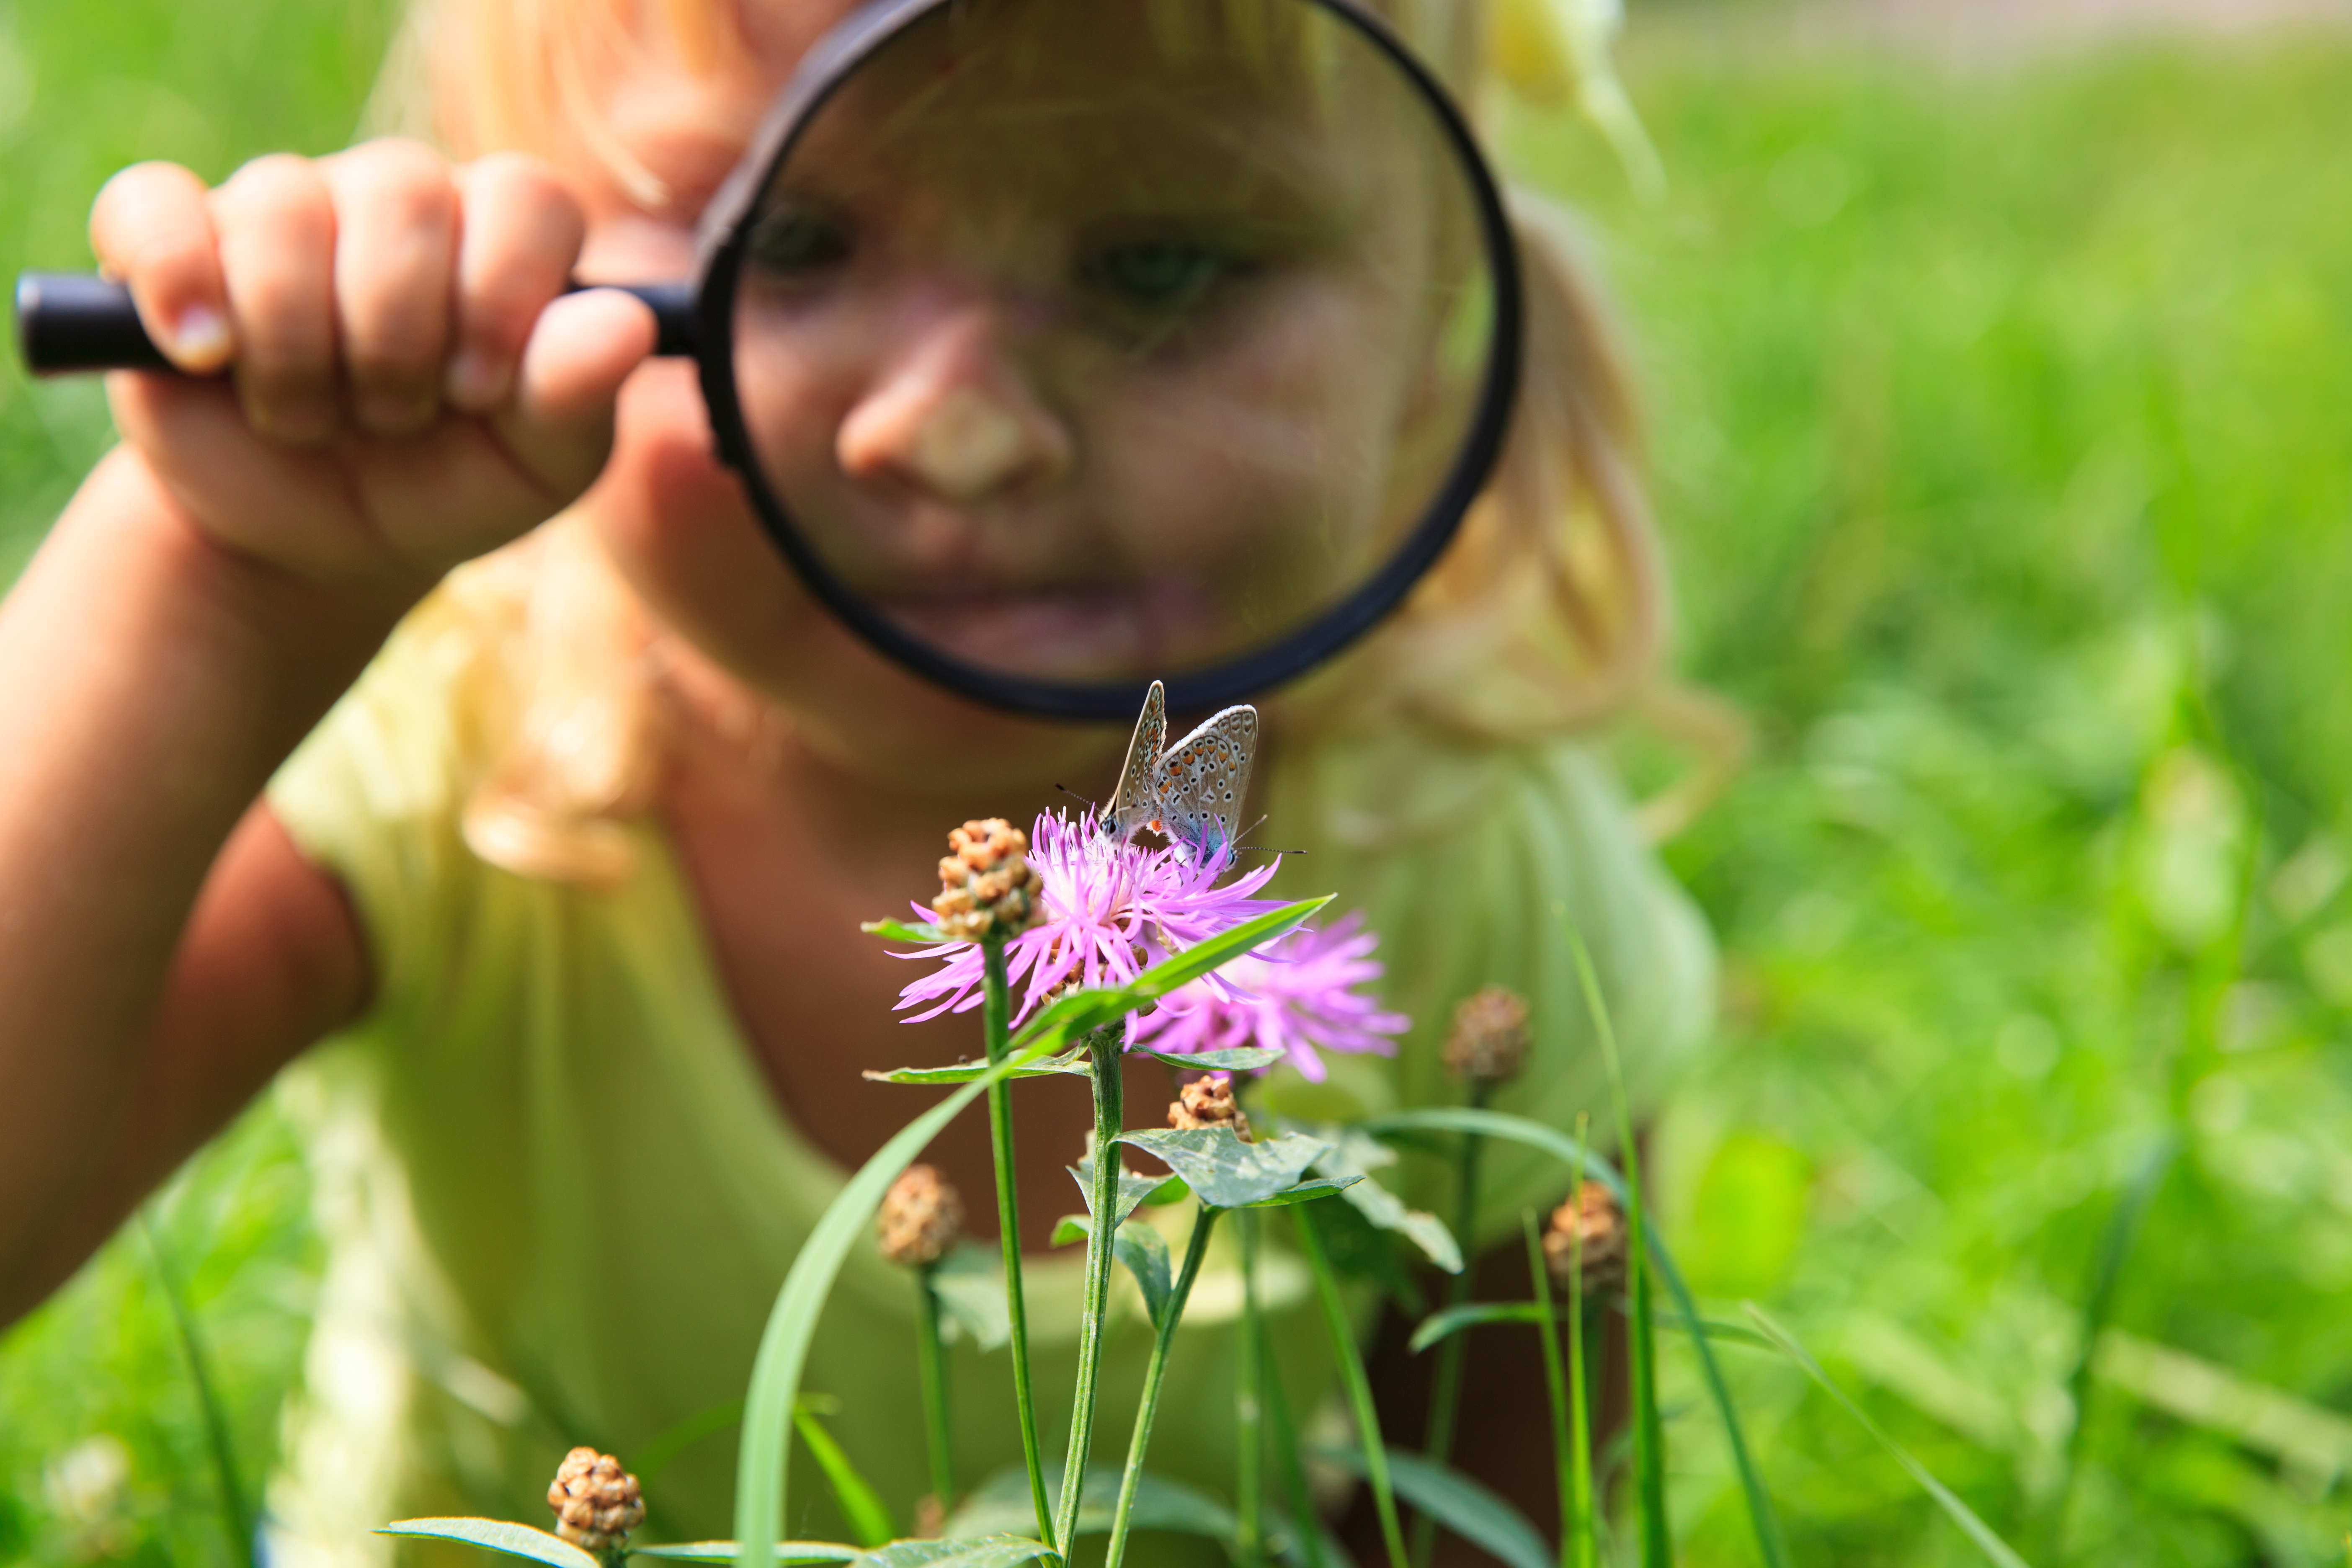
{"x":792,"y":241}
{"x":1157,"y":276}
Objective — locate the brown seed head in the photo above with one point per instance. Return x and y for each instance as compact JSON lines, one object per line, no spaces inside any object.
{"x":596,"y":1503}
{"x":1593,"y":1213}
{"x":1490,"y":1038}
{"x":921,"y":1218}
{"x":1208,"y":1102}
{"x":985,"y":884}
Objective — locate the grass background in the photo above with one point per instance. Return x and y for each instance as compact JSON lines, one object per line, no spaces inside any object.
{"x":2000,"y":436}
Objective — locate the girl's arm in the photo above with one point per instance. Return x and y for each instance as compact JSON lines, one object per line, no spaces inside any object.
{"x":404,"y":395}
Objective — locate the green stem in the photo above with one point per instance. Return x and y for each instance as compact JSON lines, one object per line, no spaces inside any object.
{"x":1194,"y":1250}
{"x":1293,"y":1466}
{"x":995,"y":1020}
{"x":932,"y":1366}
{"x":1103,"y":1058}
{"x":1445,"y":1390}
{"x":1359,"y":1386}
{"x":1249,"y":1444}
{"x":1556,"y":1390}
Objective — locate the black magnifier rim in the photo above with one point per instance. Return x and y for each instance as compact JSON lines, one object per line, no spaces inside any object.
{"x":726,"y":231}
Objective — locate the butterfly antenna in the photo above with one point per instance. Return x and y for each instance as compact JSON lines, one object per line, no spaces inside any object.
{"x":1074,"y":795}
{"x":1259,"y":849}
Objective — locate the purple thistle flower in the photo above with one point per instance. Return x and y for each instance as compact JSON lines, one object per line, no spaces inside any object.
{"x":1297,"y":995}
{"x":1111,"y":910}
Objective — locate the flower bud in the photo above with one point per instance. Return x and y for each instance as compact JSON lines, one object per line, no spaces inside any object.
{"x":1591,"y":1213}
{"x":985,"y":884}
{"x":1208,"y":1102}
{"x":596,"y":1503}
{"x":1490,"y":1037}
{"x":921,"y":1218}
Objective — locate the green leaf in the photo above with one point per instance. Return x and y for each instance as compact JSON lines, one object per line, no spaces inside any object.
{"x":759,"y":1481}
{"x":498,"y":1535}
{"x":1976,"y":1529}
{"x":1134,"y":1190}
{"x":861,"y":1505}
{"x":900,"y":931}
{"x":1223,"y":1170}
{"x":1238,"y":1058}
{"x":970,"y":1285}
{"x":1069,"y":1064}
{"x":1470,"y":1315}
{"x":1142,"y":1248}
{"x":975,"y":1551}
{"x":1470,"y":1510}
{"x":1002,"y":1503}
{"x":1306,"y":1192}
{"x":726,"y":1552}
{"x":1355,"y":1154}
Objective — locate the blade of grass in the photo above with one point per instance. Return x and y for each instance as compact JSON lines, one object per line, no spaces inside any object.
{"x":759,"y":1484}
{"x":1649,"y":1431}
{"x":2117,"y":1240}
{"x":1989,"y":1543}
{"x":236,"y":1521}
{"x":1446,"y":1386}
{"x":1357,"y":1385}
{"x":1577,"y":1511}
{"x":1557,"y":1395}
{"x":869,"y":1521}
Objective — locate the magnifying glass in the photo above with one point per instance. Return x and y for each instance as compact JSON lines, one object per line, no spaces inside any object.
{"x":1063,"y":345}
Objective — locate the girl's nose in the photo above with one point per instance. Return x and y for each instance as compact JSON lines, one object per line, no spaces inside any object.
{"x":954,"y":416}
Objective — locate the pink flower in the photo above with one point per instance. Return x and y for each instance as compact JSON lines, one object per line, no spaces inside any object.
{"x":1298,"y":996}
{"x":1109,"y":910}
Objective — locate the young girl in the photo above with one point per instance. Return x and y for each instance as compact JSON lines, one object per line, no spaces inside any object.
{"x":570,"y":868}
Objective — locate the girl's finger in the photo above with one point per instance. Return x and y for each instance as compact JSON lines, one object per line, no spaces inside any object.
{"x":559,"y":424}
{"x":395,"y":244}
{"x":152,"y":228}
{"x":521,"y":230}
{"x":276,"y":227}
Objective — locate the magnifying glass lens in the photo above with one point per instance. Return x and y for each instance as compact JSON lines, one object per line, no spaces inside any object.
{"x":1092,"y":341}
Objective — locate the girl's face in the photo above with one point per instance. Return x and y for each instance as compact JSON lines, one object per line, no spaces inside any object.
{"x":1076,"y":359}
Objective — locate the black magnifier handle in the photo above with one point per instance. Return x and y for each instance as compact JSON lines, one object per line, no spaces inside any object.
{"x":68,"y":321}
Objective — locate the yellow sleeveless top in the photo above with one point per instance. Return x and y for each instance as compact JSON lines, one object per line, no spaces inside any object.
{"x":559,"y":1196}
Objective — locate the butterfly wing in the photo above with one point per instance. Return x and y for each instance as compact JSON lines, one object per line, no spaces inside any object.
{"x":1134,"y":805}
{"x":1203,"y":780}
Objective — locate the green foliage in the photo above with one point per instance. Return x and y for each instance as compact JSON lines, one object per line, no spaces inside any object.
{"x":981,"y":1551}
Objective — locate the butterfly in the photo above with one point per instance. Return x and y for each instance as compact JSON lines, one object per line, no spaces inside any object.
{"x":1192,"y":790}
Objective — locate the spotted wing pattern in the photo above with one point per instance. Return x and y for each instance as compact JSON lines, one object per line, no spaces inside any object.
{"x":1134,"y":805}
{"x":1201,"y":781}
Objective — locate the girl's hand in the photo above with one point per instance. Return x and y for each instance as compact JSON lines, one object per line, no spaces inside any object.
{"x":408,"y":384}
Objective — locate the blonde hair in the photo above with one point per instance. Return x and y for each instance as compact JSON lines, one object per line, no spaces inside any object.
{"x":1548,"y":614}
